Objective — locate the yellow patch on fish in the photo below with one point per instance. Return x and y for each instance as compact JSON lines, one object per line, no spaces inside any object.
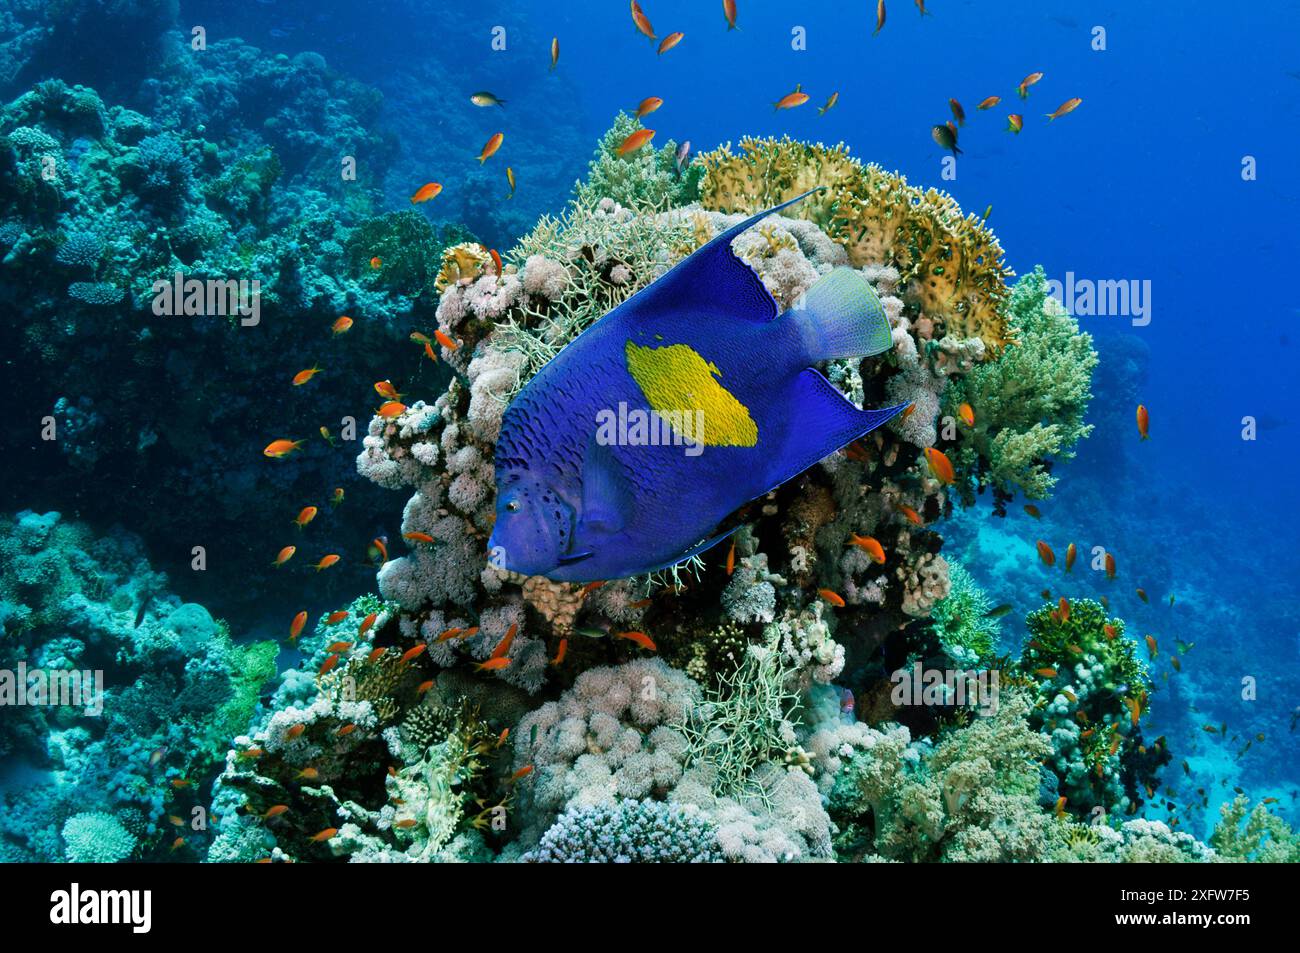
{"x":677,"y":381}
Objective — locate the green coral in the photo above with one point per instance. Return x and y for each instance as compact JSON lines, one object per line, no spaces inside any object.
{"x":960,"y":620}
{"x":645,"y":179}
{"x":408,"y":247}
{"x":1257,"y":835}
{"x":1029,"y":402}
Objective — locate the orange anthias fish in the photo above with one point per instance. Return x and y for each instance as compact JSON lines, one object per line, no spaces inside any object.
{"x":555,"y":51}
{"x":640,"y":638}
{"x":418,"y":537}
{"x":729,"y":11}
{"x":1015,"y":122}
{"x":305,"y":516}
{"x":386,"y":390}
{"x":308,"y":774}
{"x":295,"y":731}
{"x":989,"y":103}
{"x":341,"y":326}
{"x":589,"y":588}
{"x":503,"y":647}
{"x":1071,"y":554}
{"x":279,"y":449}
{"x":1109,"y":629}
{"x":425,"y":192}
{"x":448,"y":635}
{"x":411,"y":654}
{"x":1045,"y":672}
{"x":830,"y":104}
{"x":1142,"y":594}
{"x":324,"y":835}
{"x":911,"y":514}
{"x":1064,"y":609}
{"x":428,"y":352}
{"x":1152,"y":647}
{"x":880,"y":17}
{"x":496,"y":259}
{"x":870,"y":545}
{"x":1032,"y":510}
{"x":445,"y":340}
{"x":1030,"y":80}
{"x":1045,"y":553}
{"x":295,"y":627}
{"x":375,"y":655}
{"x":376,"y":263}
{"x":522,"y":773}
{"x":940,"y":465}
{"x":561,"y":652}
{"x":492,"y":665}
{"x":671,"y":40}
{"x":1110,"y":566}
{"x":791,"y":100}
{"x":339,"y":646}
{"x":1144,"y":420}
{"x":834,"y":598}
{"x":957,"y":112}
{"x":326,"y":561}
{"x":731,"y":558}
{"x":379,"y":547}
{"x":390,"y":409}
{"x":1059,"y":810}
{"x":491,"y":146}
{"x":1067,"y":107}
{"x":648,"y":105}
{"x":967,"y":414}
{"x":641,"y":21}
{"x":284,"y":556}
{"x":328,"y":665}
{"x":303,"y":377}
{"x":635,"y":141}
{"x":366,"y":623}
{"x":337,"y":496}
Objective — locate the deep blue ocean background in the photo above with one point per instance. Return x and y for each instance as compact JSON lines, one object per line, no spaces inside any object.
{"x":1143,"y":182}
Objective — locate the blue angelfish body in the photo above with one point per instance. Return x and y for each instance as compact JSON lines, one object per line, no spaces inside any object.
{"x":688,"y":400}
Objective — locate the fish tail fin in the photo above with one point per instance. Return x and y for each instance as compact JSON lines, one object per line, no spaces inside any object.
{"x":840,"y":317}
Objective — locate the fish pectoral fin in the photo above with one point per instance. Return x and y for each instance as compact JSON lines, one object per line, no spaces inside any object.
{"x":606,"y":499}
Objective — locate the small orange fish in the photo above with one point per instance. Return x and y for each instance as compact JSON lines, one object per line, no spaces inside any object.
{"x":179,"y":783}
{"x":284,"y":555}
{"x":469,"y":633}
{"x":1067,"y":107}
{"x":1084,"y":735}
{"x":880,"y":17}
{"x":1032,"y":510}
{"x":175,"y":821}
{"x":641,"y":21}
{"x":635,"y":141}
{"x":346,"y":730}
{"x":731,"y":558}
{"x":640,"y":604}
{"x":342,"y":325}
{"x":834,"y":598}
{"x":339,"y":646}
{"x":870,"y":545}
{"x":967,"y":414}
{"x":279,"y":449}
{"x":496,"y":262}
{"x":1144,"y":420}
{"x":555,"y":51}
{"x":830,"y":104}
{"x":648,"y":105}
{"x":522,"y":773}
{"x":492,"y":665}
{"x":911,"y":514}
{"x":376,"y":263}
{"x":405,"y":823}
{"x":177,"y":844}
{"x":303,"y":377}
{"x":791,"y":100}
{"x":334,"y":618}
{"x":328,"y":665}
{"x":326,"y":561}
{"x":1030,"y":80}
{"x":411,"y":654}
{"x":729,"y":11}
{"x":957,"y":112}
{"x":305,"y":516}
{"x":445,"y":341}
{"x":337,"y":496}
{"x":1070,"y":695}
{"x":295,"y":627}
{"x":390,"y":409}
{"x":561,"y":652}
{"x":419,"y":338}
{"x":671,"y":40}
{"x":275,"y":810}
{"x":1152,"y":647}
{"x":1111,"y":634}
{"x":379,"y":545}
{"x":1114,"y":744}
{"x":425,"y":192}
{"x":1015,"y":122}
{"x":324,"y":835}
{"x":989,"y":103}
{"x":1110,"y":566}
{"x":503,"y":648}
{"x":418,"y":537}
{"x":589,"y":588}
{"x":448,"y":635}
{"x":491,"y":146}
{"x":640,"y":638}
{"x":366,"y":623}
{"x":428,"y":352}
{"x":1071,"y":554}
{"x":295,"y":731}
{"x":1142,"y":594}
{"x":1045,"y":672}
{"x":307,"y":774}
{"x":423,"y":687}
{"x":250,"y":753}
{"x":386,"y":390}
{"x":940,"y":465}
{"x":1045,"y":553}
{"x":375,"y":655}
{"x":1059,"y":810}
{"x":1064,"y":610}
{"x":908,"y":411}
{"x":1173,"y":660}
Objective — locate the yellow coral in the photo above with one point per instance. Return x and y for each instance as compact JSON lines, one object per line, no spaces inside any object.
{"x":463,"y":262}
{"x":948,"y":261}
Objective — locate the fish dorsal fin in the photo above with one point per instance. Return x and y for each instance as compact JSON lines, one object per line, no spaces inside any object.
{"x":712,"y":280}
{"x":606,"y":499}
